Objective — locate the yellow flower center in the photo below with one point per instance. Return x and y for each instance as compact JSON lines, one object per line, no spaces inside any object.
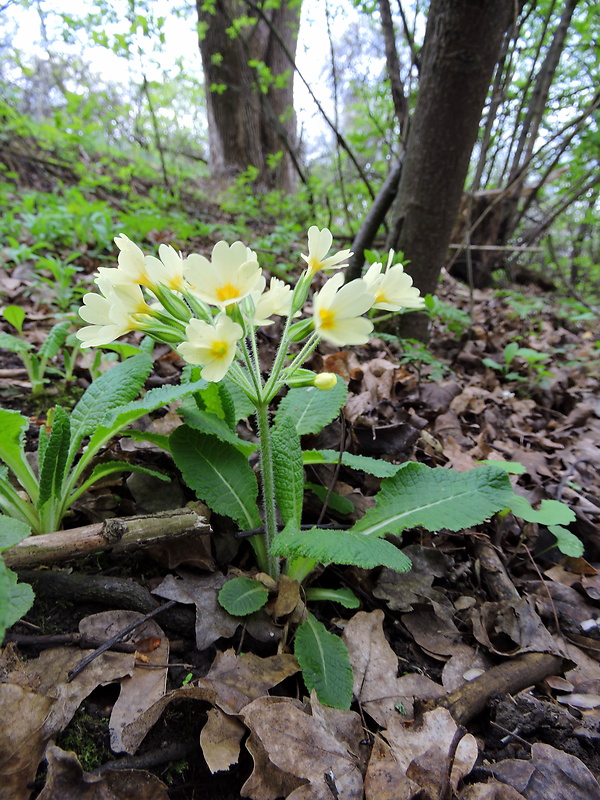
{"x":327,"y":318}
{"x":218,"y":349}
{"x":380,"y":296}
{"x":227,"y":292}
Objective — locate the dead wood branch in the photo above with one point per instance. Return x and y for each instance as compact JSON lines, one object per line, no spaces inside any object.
{"x":508,"y":678}
{"x":118,"y":535}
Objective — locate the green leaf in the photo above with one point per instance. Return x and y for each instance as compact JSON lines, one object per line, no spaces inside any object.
{"x":12,"y":343}
{"x":54,"y":463}
{"x":510,"y":351}
{"x":325,"y":663}
{"x":55,"y":340}
{"x":345,"y":597}
{"x":374,"y":466}
{"x":12,"y":531}
{"x":160,"y":440}
{"x":550,"y":512}
{"x":567,"y":542}
{"x":110,"y":468}
{"x":218,"y":473}
{"x":242,"y":404}
{"x":119,"y":385}
{"x":15,"y":598}
{"x":311,"y":408}
{"x":15,"y":315}
{"x":512,"y":467}
{"x":288,"y":470}
{"x":435,"y":499}
{"x":335,"y":501}
{"x":243,"y":596}
{"x":210,"y":423}
{"x":12,"y":435}
{"x":330,"y":546}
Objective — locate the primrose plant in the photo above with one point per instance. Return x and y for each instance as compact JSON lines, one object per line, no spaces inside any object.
{"x":209,"y":311}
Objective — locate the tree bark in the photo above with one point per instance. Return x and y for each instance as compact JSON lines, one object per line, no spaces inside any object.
{"x":462,"y":45}
{"x":250,"y":124}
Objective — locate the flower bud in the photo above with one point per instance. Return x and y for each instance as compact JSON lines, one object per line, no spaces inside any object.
{"x":300,"y":330}
{"x":300,"y":378}
{"x":325,"y":381}
{"x":172,"y":303}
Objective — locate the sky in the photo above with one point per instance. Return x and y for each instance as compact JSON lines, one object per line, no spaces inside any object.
{"x":22,"y":27}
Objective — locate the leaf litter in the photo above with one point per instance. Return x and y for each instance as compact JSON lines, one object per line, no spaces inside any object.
{"x":420,"y":636}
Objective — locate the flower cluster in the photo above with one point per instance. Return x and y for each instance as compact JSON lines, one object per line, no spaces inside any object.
{"x":208,"y":309}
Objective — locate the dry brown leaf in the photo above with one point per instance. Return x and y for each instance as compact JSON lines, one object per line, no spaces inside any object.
{"x":401,"y":590}
{"x":375,"y":668}
{"x":509,"y":628}
{"x":493,"y":790}
{"x":43,"y":704}
{"x":435,"y":632}
{"x":146,"y":685}
{"x":237,"y":680}
{"x":67,"y":780}
{"x":550,"y":773}
{"x":267,"y":782}
{"x":417,"y":757}
{"x":220,"y":740}
{"x":460,"y":664}
{"x":308,"y":748}
{"x":288,"y":597}
{"x":212,"y":621}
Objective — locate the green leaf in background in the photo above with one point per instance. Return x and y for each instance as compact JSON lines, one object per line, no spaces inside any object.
{"x":335,"y":501}
{"x":374,"y":466}
{"x":325,"y":663}
{"x":288,"y":469}
{"x":567,"y":542}
{"x":54,"y":462}
{"x":330,"y":546}
{"x":12,"y":531}
{"x":55,"y":340}
{"x":218,"y":473}
{"x":15,"y":315}
{"x":210,"y":423}
{"x":550,"y":512}
{"x":312,"y":408}
{"x":345,"y":597}
{"x":435,"y":499}
{"x":119,"y":385}
{"x":244,"y":407}
{"x":12,"y":435}
{"x":512,"y":467}
{"x":13,"y":343}
{"x":243,"y":596}
{"x":15,"y":598}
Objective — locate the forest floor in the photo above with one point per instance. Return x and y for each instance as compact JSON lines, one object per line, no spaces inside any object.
{"x":432,"y":717}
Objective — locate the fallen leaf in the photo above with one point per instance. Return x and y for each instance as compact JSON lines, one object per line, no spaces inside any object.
{"x":417,"y":757}
{"x":492,"y":790}
{"x":220,"y":740}
{"x":307,"y":748}
{"x":144,"y":687}
{"x":509,"y":628}
{"x":375,"y":667}
{"x":550,"y":773}
{"x":66,"y":780}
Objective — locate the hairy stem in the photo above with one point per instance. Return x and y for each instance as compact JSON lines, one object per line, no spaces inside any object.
{"x":268,"y":485}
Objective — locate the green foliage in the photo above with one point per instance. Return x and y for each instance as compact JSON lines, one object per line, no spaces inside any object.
{"x":454,"y":318}
{"x":415,"y":352}
{"x":536,"y":371}
{"x":435,"y":499}
{"x":312,"y":409}
{"x":218,"y":473}
{"x":104,"y":410}
{"x":288,"y":469}
{"x":325,"y":663}
{"x":15,"y":598}
{"x":37,"y":363}
{"x":243,"y":596}
{"x":374,"y":466}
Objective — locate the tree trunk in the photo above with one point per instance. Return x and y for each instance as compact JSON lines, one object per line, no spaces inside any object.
{"x":462,"y":45}
{"x":248,"y":78}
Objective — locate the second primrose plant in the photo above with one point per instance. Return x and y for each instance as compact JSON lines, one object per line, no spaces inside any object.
{"x":209,"y":312}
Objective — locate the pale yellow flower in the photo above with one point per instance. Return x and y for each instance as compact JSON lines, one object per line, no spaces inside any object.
{"x":232,"y":274}
{"x":325,"y":381}
{"x":132,"y":265}
{"x":111,"y":313}
{"x":393,"y":289}
{"x":168,"y":269}
{"x":337,"y":311}
{"x":276,"y":300}
{"x":319,"y":244}
{"x":213,"y":347}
